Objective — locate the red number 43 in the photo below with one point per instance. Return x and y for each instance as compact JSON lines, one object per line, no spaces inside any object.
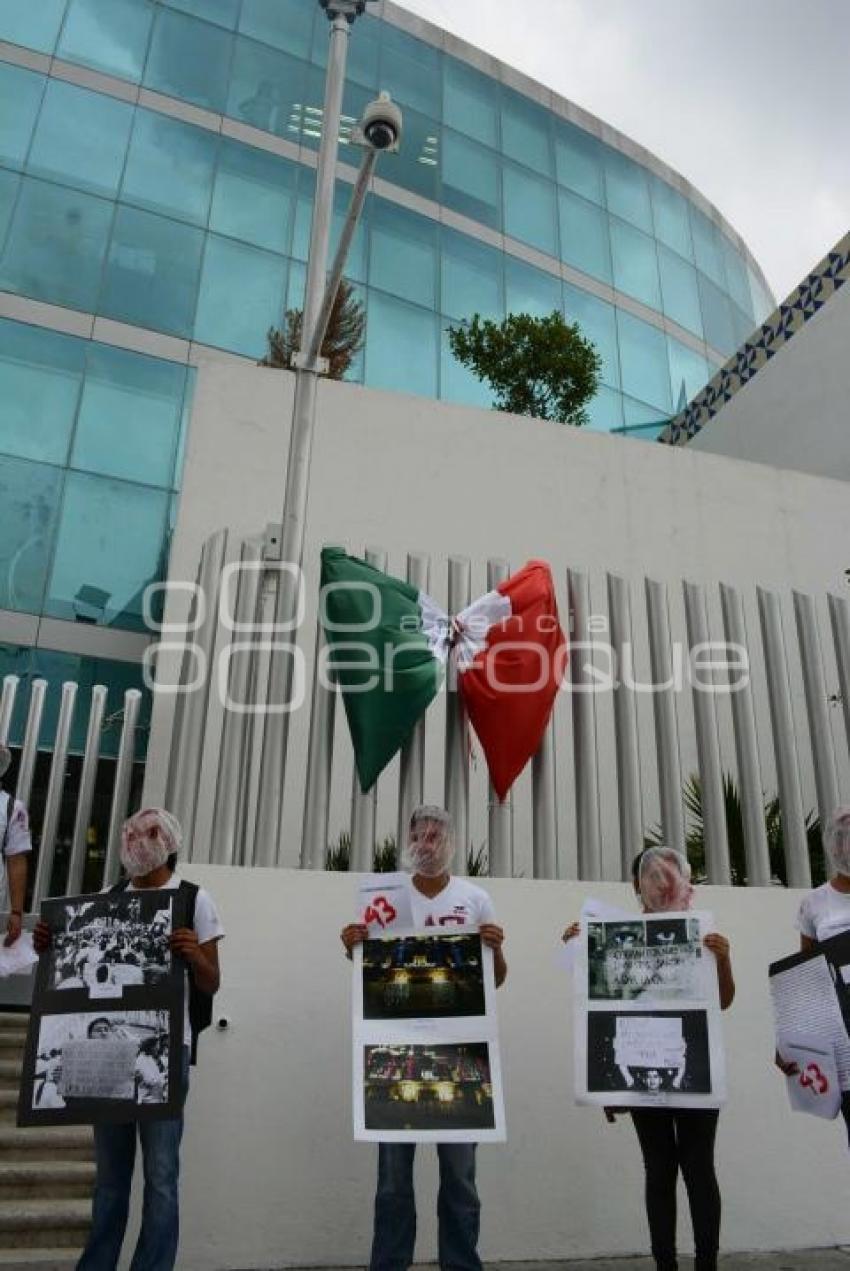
{"x":380,"y":911}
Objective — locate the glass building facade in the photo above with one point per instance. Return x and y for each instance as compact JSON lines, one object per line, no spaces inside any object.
{"x":157,"y":166}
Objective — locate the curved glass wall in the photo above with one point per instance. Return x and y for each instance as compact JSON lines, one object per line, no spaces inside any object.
{"x":118,"y":208}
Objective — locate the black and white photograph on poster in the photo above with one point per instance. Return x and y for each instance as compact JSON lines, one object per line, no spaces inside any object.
{"x":92,"y":1066}
{"x":108,"y":943}
{"x":429,"y":1088}
{"x":423,"y":977}
{"x":658,"y":959}
{"x":648,"y":1053}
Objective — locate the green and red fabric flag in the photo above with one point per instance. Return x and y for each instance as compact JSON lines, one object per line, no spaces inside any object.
{"x":390,"y":645}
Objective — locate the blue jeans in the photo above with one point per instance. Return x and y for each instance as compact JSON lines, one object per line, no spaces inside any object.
{"x":458,"y":1208}
{"x":115,"y":1156}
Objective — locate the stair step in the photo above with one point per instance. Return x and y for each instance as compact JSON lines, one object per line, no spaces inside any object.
{"x":50,"y":1180}
{"x":10,"y":1067}
{"x":14,"y":1020}
{"x":8,"y":1106}
{"x":31,"y":1224}
{"x":12,"y":1039}
{"x":51,"y":1259}
{"x":47,"y":1142}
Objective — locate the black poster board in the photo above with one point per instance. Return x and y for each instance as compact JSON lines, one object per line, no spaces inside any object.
{"x":105,"y":1040}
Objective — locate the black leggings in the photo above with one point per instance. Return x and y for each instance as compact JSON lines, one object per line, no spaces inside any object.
{"x":672,"y":1139}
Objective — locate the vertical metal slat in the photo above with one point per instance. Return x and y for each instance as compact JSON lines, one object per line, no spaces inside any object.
{"x":746,"y":746}
{"x":585,"y":759}
{"x":53,"y":798}
{"x":625,"y":727}
{"x":121,"y":788}
{"x":718,"y":867}
{"x":85,"y":799}
{"x":411,"y":781}
{"x":500,"y":816}
{"x":817,"y":710}
{"x":364,"y":805}
{"x":839,"y":616}
{"x":456,"y":756}
{"x":7,"y":705}
{"x":29,"y":750}
{"x":784,"y":744}
{"x":666,"y":723}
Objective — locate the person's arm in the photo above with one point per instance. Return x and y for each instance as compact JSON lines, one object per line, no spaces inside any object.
{"x":355,"y":933}
{"x":493,"y":936}
{"x":16,"y":872}
{"x":202,"y":958}
{"x":719,"y":946}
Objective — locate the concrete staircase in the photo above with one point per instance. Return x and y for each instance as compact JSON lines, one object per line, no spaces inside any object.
{"x":46,"y":1175}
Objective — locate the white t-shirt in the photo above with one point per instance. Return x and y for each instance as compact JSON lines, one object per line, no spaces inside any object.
{"x":208,"y":926}
{"x":459,"y":904}
{"x":824,"y":912}
{"x":18,"y":841}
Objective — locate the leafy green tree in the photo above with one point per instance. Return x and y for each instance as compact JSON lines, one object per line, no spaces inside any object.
{"x":343,"y":338}
{"x":695,"y":836}
{"x":542,"y":367}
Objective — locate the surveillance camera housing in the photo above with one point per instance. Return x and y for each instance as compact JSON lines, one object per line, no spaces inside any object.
{"x":349,"y":9}
{"x":381,"y":125}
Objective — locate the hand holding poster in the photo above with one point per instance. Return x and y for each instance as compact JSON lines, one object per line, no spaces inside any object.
{"x":815,"y":1087}
{"x":810,"y":995}
{"x":647,"y":1012}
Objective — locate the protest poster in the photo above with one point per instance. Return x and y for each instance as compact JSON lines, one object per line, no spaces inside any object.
{"x":810,"y":994}
{"x":426,"y":1065}
{"x":383,"y":901}
{"x":814,"y":1088}
{"x":105,"y":1040}
{"x":647,"y":1012}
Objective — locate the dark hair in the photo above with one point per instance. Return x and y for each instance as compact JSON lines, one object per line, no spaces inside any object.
{"x":636,"y":865}
{"x":101,"y":1019}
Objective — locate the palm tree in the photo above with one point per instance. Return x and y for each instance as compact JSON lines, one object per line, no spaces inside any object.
{"x":343,"y":338}
{"x":695,"y":836}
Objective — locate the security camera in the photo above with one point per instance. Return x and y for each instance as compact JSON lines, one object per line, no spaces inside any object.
{"x":380,"y":125}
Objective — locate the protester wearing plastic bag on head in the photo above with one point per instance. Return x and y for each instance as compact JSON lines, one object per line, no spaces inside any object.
{"x":150,"y":845}
{"x":825,"y":911}
{"x":674,"y":1139}
{"x":437,"y":899}
{"x":15,"y":846}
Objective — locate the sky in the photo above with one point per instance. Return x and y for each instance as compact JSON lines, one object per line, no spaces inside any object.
{"x":748,"y":99}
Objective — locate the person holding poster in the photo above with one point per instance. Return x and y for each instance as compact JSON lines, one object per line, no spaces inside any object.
{"x":825,"y":912}
{"x":150,"y":844}
{"x":673,"y":1139}
{"x":15,"y":846}
{"x":437,"y":899}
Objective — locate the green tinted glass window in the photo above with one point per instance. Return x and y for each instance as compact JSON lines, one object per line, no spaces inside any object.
{"x":81,"y":138}
{"x":242,"y":294}
{"x":254,"y":196}
{"x":9,"y":185}
{"x":470,"y":102}
{"x":151,"y":275}
{"x":605,"y":410}
{"x":403,"y":255}
{"x":717,"y":317}
{"x":471,"y":179}
{"x":307,"y":113}
{"x":267,"y":90}
{"x":29,"y":500}
{"x":417,"y":166}
{"x":221,"y":12}
{"x":457,"y":383}
{"x":627,"y":190}
{"x":530,"y":290}
{"x":707,"y":253}
{"x":598,"y":323}
{"x":286,"y":24}
{"x":41,"y":373}
{"x":670,"y":215}
{"x":110,"y":37}
{"x":472,"y":279}
{"x":643,"y":362}
{"x":355,"y":267}
{"x":109,"y":546}
{"x":526,"y":135}
{"x":635,"y":263}
{"x":190,"y":60}
{"x":170,"y":167}
{"x":578,"y":159}
{"x":736,"y":275}
{"x":410,"y":70}
{"x":584,"y":236}
{"x":129,"y":416}
{"x":35,"y":26}
{"x":679,"y":290}
{"x":529,"y":208}
{"x":20,"y":97}
{"x":688,"y":373}
{"x":401,"y":346}
{"x":56,"y":245}
{"x":363,"y":51}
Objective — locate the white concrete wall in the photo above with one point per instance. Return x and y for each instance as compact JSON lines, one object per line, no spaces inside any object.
{"x":795,"y":412}
{"x":272,"y":1177}
{"x":410,"y":474}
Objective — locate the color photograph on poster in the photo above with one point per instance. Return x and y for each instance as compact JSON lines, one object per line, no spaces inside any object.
{"x":425,"y":1056}
{"x":430,"y":1087}
{"x":105,"y":1039}
{"x":658,"y":958}
{"x":423,"y":977}
{"x":647,"y":1013}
